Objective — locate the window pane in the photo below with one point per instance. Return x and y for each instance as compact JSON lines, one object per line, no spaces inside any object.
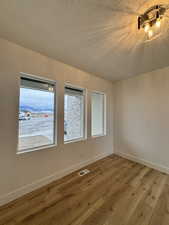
{"x":73,"y":114}
{"x":36,"y":115}
{"x":97,"y":102}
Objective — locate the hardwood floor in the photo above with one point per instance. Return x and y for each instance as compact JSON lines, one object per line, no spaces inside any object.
{"x":116,"y":192}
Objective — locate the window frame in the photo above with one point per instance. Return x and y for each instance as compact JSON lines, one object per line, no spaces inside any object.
{"x":104,"y":113}
{"x":67,"y":84}
{"x":55,"y":123}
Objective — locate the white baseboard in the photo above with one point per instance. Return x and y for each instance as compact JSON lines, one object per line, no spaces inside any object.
{"x":144,"y":162}
{"x":44,"y":181}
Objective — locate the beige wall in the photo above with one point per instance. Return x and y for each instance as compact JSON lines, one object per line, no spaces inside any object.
{"x":21,"y":173}
{"x":142,"y":118}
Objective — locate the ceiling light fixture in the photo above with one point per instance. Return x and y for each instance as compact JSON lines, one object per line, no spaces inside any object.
{"x":158,"y":23}
{"x":151,"y":19}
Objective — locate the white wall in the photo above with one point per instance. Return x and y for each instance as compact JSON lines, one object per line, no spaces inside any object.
{"x":22,"y":173}
{"x":142,"y":118}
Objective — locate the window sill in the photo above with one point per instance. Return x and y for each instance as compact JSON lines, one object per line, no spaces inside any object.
{"x":99,"y":135}
{"x":75,"y":140}
{"x":36,"y":149}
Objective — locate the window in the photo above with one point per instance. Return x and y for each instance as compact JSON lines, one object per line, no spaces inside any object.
{"x":74,"y":114}
{"x":98,"y":114}
{"x":36,"y":114}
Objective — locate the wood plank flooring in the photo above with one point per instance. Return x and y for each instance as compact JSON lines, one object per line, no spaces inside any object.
{"x":116,"y":192}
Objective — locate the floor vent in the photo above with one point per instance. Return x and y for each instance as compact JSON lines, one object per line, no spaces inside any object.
{"x":84,"y":172}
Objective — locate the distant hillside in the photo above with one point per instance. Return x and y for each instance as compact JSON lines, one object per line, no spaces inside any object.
{"x":35,"y":108}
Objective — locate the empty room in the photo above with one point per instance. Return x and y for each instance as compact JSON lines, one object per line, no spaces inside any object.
{"x":84,"y":112}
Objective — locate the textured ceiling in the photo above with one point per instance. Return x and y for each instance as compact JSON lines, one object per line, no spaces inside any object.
{"x":97,"y":36}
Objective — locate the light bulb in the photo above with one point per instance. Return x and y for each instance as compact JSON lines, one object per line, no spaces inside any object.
{"x":158,"y":23}
{"x":150,"y":33}
{"x":147,"y":27}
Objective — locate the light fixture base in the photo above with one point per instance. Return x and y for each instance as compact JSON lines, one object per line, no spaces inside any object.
{"x":151,"y":15}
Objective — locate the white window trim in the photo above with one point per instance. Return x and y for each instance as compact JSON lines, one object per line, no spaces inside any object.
{"x":38,"y":78}
{"x":104,"y":114}
{"x":36,"y":149}
{"x":68,"y":84}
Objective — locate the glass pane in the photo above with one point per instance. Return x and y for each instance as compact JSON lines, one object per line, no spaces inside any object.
{"x":36,"y":118}
{"x":73,"y":117}
{"x":97,"y":114}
